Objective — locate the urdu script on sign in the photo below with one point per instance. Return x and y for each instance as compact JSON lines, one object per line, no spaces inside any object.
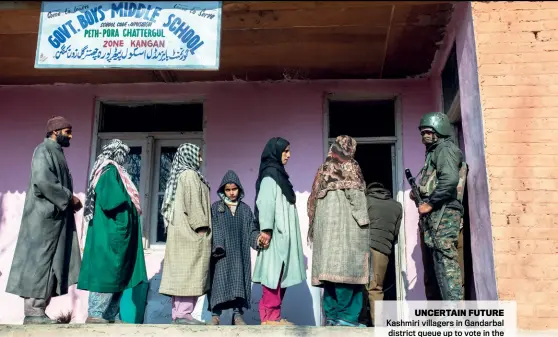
{"x":174,"y":24}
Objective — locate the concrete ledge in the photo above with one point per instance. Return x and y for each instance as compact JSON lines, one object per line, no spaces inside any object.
{"x":121,"y":330}
{"x":162,"y":330}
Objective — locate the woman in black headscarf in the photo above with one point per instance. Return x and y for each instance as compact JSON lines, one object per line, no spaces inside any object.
{"x":280,"y":264}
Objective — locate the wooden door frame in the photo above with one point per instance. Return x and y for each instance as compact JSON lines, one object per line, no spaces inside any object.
{"x":397,"y":172}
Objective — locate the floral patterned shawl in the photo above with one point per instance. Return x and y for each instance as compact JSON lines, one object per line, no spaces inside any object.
{"x":339,"y":171}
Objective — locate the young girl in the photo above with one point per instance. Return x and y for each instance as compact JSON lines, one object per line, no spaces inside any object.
{"x":233,"y":235}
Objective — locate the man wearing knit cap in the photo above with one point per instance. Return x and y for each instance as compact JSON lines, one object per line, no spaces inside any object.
{"x":47,"y":257}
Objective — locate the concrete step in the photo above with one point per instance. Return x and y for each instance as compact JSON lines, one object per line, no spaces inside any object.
{"x":163,"y":330}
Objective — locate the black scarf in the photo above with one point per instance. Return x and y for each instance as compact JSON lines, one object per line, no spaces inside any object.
{"x":271,"y":166}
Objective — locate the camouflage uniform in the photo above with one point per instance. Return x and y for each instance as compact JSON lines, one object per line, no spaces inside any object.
{"x":442,"y":185}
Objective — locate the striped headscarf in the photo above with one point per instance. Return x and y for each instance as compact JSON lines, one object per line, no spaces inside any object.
{"x":115,"y":153}
{"x":187,"y":157}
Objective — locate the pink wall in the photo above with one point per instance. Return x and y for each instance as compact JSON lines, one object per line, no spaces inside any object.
{"x":241,"y":117}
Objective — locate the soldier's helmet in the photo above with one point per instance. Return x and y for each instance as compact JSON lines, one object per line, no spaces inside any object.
{"x":437,"y":121}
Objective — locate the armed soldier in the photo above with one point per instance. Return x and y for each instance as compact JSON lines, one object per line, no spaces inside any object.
{"x":441,"y":187}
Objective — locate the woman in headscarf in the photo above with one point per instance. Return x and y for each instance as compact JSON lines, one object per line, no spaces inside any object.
{"x":113,"y":257}
{"x":338,"y":229}
{"x":187,"y":216}
{"x":281,"y":263}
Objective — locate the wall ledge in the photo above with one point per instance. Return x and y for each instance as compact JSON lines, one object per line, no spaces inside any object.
{"x":123,"y":330}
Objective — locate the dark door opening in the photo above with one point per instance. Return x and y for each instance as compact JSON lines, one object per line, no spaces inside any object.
{"x":372,"y":125}
{"x":376,"y":163}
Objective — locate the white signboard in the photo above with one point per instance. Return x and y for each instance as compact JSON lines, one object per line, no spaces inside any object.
{"x":125,"y":34}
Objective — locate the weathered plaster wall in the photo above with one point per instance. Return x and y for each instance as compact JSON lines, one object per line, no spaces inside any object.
{"x":241,"y":117}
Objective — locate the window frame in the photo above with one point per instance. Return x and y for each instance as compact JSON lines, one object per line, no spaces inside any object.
{"x":148,"y":141}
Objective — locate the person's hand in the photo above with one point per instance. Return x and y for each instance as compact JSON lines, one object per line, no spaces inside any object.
{"x":260,"y":242}
{"x":424,"y":209}
{"x":76,"y":203}
{"x":262,"y":245}
{"x":219,"y":252}
{"x":264,"y":239}
{"x":202,"y":231}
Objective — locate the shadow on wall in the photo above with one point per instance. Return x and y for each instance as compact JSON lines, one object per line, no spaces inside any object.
{"x":1,"y":212}
{"x":419,"y":291}
{"x":298,"y":305}
{"x":10,"y":218}
{"x":158,"y":308}
{"x":416,"y":291}
{"x":2,"y":248}
{"x":2,"y":222}
{"x":301,"y":302}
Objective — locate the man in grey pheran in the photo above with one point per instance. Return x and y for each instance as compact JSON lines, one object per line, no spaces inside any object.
{"x":47,"y":257}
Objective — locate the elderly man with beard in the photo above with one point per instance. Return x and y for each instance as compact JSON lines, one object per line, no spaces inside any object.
{"x":47,"y":258}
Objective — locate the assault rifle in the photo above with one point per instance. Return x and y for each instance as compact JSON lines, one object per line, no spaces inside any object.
{"x":416,"y":195}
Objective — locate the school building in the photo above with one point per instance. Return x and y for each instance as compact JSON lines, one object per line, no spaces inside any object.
{"x":309,"y":71}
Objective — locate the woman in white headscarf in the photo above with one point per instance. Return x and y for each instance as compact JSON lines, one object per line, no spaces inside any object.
{"x":187,"y":214}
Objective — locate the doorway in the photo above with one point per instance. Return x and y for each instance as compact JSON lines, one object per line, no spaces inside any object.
{"x":373,"y":123}
{"x":377,"y":163}
{"x":464,"y":246}
{"x":153,"y":131}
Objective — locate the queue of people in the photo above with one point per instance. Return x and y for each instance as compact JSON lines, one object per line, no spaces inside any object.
{"x":352,"y":230}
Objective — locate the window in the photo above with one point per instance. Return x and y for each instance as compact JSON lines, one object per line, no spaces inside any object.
{"x":450,"y":79}
{"x":362,"y":118}
{"x":153,"y":132}
{"x":145,"y":117}
{"x":165,"y":149}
